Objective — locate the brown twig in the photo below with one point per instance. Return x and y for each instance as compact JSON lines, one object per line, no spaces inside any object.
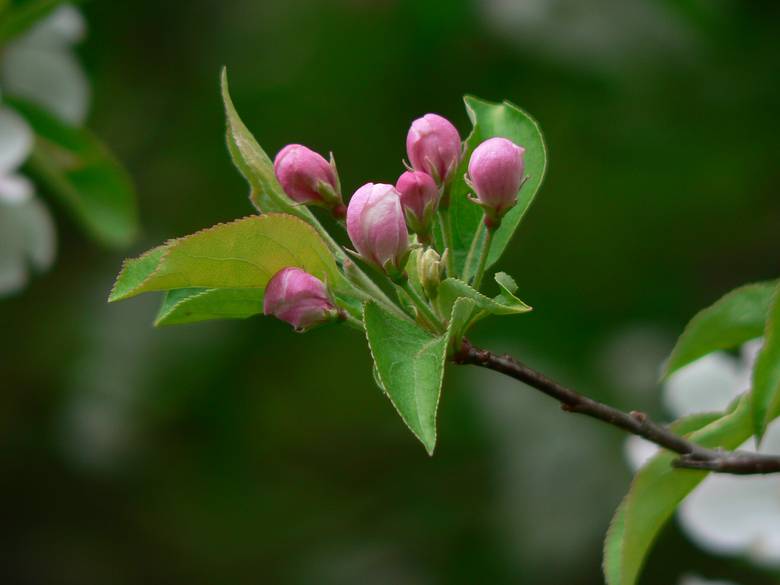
{"x":692,"y":456}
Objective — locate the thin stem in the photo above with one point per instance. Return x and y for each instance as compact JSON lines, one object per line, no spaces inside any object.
{"x":692,"y":456}
{"x":369,"y":290}
{"x":483,"y":255}
{"x":422,"y":305}
{"x":446,"y":233}
{"x":472,"y":251}
{"x":352,"y":321}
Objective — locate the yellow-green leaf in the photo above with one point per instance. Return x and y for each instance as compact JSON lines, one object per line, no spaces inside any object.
{"x":245,"y":253}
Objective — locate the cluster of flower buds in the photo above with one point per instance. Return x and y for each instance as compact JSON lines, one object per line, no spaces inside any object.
{"x":380,"y":217}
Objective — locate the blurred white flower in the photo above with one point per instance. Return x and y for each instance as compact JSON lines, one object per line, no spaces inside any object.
{"x":15,"y":141}
{"x":731,"y":515}
{"x":27,"y":238}
{"x":26,"y":229}
{"x":39,"y":66}
{"x":42,"y":67}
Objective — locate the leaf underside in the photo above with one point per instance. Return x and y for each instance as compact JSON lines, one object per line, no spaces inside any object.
{"x":192,"y":305}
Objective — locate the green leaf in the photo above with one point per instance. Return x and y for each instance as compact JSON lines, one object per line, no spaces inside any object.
{"x":460,"y":321}
{"x":253,"y":163}
{"x":504,"y":304}
{"x":507,"y":296}
{"x":658,"y":488}
{"x":256,"y":167}
{"x":766,"y":374}
{"x":735,"y":318}
{"x":16,"y":17}
{"x":241,"y":254}
{"x":489,"y":120}
{"x":409,"y":365}
{"x":613,"y":546}
{"x":83,"y":175}
{"x":191,"y":305}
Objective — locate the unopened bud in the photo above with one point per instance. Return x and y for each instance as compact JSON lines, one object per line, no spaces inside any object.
{"x":308,"y":178}
{"x":496,"y":172}
{"x":295,"y":296}
{"x":419,"y":198}
{"x":433,"y":146}
{"x":376,"y":226}
{"x":430,"y":271}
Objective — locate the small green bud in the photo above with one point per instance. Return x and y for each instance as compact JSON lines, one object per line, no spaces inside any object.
{"x":430,"y":271}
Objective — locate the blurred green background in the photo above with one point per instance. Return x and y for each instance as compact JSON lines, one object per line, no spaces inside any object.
{"x":240,"y":452}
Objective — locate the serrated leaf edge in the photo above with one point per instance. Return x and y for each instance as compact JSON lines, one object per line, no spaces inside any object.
{"x":390,"y":397}
{"x":447,"y":335}
{"x":169,"y":245}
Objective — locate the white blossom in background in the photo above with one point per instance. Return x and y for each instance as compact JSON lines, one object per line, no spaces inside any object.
{"x":26,"y":230}
{"x":41,"y":67}
{"x":726,"y":514}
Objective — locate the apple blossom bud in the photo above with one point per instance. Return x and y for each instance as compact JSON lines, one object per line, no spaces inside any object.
{"x":308,"y":178}
{"x":376,"y":226}
{"x":433,"y":146}
{"x":295,"y":296}
{"x":430,"y":271}
{"x":419,"y":199}
{"x":496,"y":174}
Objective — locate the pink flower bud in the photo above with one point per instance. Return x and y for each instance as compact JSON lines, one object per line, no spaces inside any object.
{"x":419,"y":198}
{"x":295,"y":296}
{"x":496,"y":174}
{"x":308,"y":178}
{"x":433,"y":146}
{"x":376,"y":226}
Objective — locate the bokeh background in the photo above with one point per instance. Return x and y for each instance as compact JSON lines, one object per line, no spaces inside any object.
{"x":240,"y":452}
